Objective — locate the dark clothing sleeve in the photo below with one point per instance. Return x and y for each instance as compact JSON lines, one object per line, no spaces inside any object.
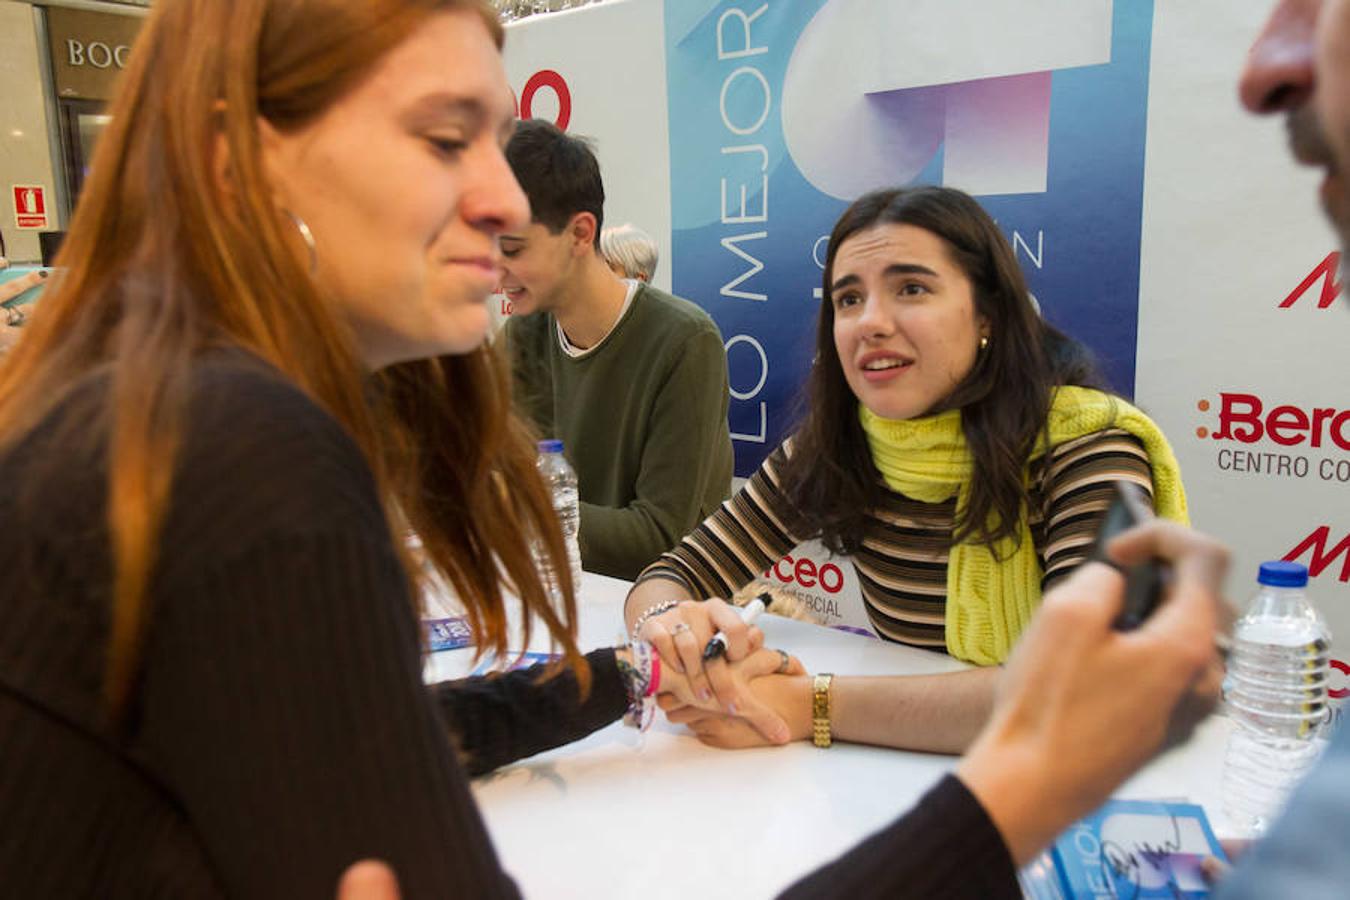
{"x":283,"y":708}
{"x":498,"y":719}
{"x":946,"y":847}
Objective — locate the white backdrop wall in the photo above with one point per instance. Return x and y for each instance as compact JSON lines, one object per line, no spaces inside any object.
{"x":1203,"y":228}
{"x":1231,"y":228}
{"x":612,"y":66}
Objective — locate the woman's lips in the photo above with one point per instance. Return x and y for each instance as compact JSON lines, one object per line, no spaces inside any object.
{"x":894,"y":369}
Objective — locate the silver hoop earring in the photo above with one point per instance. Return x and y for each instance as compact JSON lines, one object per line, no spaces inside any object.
{"x":307,"y":236}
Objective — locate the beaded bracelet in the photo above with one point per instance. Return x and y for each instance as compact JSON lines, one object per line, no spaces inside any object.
{"x":650,"y":613}
{"x":642,"y":679}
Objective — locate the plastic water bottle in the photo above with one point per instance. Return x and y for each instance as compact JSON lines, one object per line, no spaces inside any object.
{"x":562,"y":485}
{"x":1276,"y":693}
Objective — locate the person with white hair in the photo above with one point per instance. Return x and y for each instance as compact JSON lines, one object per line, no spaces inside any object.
{"x":630,"y":251}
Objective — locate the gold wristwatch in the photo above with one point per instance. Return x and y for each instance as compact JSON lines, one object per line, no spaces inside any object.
{"x":820,"y":710}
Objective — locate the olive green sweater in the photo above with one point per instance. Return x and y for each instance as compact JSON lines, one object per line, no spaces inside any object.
{"x":643,"y":419}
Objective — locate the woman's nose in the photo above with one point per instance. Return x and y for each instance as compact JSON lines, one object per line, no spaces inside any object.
{"x":875,"y":320}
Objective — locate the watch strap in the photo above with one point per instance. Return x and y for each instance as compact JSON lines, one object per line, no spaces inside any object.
{"x":820,"y":710}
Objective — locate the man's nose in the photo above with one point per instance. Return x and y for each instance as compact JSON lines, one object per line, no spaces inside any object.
{"x":1279,"y":71}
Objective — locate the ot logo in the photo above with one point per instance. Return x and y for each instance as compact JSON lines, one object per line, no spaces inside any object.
{"x":546,"y":78}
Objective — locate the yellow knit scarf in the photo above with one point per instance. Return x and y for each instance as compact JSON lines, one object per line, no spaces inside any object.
{"x":992,"y":593}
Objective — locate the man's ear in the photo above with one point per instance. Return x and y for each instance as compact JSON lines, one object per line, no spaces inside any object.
{"x":582,"y":227}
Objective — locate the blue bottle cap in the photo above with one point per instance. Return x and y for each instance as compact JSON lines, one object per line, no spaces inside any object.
{"x":1283,"y":574}
{"x":551,"y":446}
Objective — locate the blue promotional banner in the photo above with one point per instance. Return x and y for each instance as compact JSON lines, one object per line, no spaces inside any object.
{"x":781,"y":114}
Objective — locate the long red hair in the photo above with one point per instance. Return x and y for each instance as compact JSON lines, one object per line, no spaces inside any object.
{"x":160,"y":263}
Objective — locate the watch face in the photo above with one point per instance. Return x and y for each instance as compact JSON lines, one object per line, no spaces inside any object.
{"x":820,"y":687}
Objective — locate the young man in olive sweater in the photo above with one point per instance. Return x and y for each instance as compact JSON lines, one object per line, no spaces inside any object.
{"x":630,"y":378}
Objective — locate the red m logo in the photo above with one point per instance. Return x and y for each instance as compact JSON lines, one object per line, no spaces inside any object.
{"x":1321,"y":557}
{"x":1331,"y":288}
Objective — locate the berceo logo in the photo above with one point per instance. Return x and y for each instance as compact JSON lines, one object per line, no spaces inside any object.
{"x":1243,"y":418}
{"x":804,"y":572}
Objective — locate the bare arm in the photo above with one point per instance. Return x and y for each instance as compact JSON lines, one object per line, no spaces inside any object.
{"x":936,"y":713}
{"x":931,"y":713}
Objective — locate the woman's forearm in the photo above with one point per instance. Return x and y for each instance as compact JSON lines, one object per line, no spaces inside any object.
{"x":931,"y":713}
{"x":650,"y":593}
{"x":936,"y":713}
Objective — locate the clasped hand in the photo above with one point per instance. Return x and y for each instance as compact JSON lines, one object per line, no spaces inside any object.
{"x":696,"y":692}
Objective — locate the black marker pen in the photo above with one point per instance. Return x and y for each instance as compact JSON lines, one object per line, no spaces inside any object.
{"x":749,"y":613}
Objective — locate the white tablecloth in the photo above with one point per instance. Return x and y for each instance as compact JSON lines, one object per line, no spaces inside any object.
{"x":663,"y":816}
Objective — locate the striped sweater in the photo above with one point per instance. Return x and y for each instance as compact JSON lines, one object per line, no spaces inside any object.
{"x":902,"y":564}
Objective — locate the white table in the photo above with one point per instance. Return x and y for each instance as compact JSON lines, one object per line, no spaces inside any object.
{"x":664,"y":816}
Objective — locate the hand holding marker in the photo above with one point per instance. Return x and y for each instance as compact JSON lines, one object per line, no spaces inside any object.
{"x":717,"y":647}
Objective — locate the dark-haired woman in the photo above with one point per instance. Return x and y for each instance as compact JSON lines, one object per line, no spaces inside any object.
{"x":954,"y":446}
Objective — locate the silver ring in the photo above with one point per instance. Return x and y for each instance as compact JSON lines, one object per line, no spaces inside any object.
{"x":783,"y":662}
{"x":679,"y":628}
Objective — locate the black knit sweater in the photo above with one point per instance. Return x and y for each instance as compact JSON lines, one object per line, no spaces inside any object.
{"x":280,"y":728}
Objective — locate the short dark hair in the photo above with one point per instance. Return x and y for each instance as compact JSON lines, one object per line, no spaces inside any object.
{"x":559,"y":174}
{"x":1004,"y":401}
